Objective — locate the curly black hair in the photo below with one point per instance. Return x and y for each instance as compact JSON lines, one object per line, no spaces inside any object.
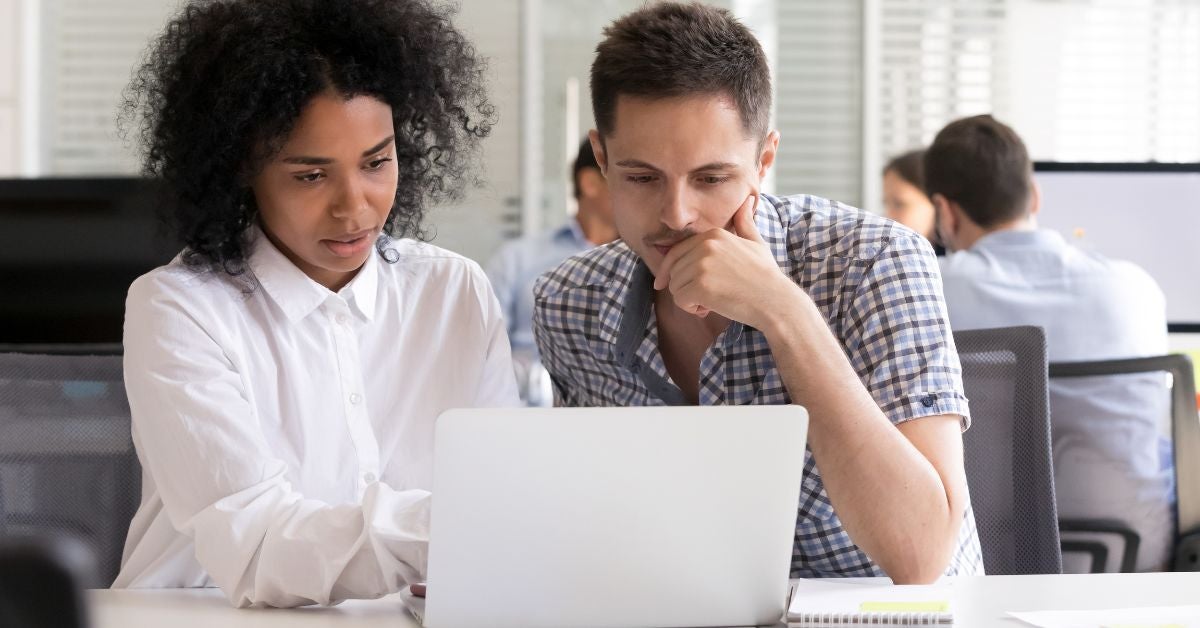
{"x":223,"y":85}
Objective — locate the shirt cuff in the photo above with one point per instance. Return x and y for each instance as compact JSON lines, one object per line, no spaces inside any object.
{"x":930,"y":403}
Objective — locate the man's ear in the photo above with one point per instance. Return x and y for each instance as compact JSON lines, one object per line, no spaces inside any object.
{"x":598,"y":150}
{"x":766,"y":157}
{"x":591,"y":182}
{"x":947,"y":218}
{"x":1035,"y":198}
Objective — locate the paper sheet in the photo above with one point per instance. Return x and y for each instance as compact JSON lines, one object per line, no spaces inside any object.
{"x":1151,"y":617}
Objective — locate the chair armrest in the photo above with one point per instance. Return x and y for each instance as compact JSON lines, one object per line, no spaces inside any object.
{"x":1106,"y":526}
{"x":1187,"y":552}
{"x":1098,"y":550}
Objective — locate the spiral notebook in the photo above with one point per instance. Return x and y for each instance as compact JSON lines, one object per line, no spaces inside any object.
{"x":836,"y":602}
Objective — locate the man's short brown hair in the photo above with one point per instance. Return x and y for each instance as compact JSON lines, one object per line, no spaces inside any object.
{"x":982,"y":165}
{"x":675,"y":49}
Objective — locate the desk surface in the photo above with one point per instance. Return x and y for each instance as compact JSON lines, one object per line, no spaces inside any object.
{"x":979,"y":602}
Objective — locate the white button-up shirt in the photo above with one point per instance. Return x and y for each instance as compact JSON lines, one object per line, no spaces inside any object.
{"x":286,"y":432}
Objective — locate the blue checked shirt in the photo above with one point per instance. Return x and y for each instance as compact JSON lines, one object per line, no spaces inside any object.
{"x":877,"y":284}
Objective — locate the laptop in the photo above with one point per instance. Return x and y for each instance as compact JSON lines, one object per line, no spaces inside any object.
{"x":656,"y":517}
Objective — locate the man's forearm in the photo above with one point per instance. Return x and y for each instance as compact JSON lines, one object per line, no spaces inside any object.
{"x":889,"y":496}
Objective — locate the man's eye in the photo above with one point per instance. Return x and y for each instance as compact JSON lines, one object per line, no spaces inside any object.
{"x":640,"y":178}
{"x":713,"y":180}
{"x":378,"y":163}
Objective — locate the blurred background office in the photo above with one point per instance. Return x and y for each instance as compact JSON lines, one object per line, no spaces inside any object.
{"x":1105,"y":93}
{"x":857,"y":83}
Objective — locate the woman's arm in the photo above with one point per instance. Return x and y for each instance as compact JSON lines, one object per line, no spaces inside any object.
{"x":261,"y":540}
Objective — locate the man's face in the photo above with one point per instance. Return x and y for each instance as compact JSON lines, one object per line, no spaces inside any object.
{"x":678,"y":166}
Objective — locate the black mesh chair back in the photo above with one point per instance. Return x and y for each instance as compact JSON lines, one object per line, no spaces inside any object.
{"x":1185,"y":437}
{"x":67,"y":463}
{"x":1007,"y":450}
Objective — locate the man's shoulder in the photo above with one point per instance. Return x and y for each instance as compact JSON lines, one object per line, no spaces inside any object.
{"x":1115,"y":268}
{"x":594,"y":268}
{"x":818,"y":228}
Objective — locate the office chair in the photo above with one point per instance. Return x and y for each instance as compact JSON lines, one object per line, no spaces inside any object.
{"x":1086,"y":536}
{"x":1007,"y":449}
{"x":40,"y":584}
{"x":1185,"y":432}
{"x":67,"y":463}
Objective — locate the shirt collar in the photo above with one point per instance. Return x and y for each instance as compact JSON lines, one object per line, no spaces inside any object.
{"x":1042,"y":238}
{"x":295,"y":292}
{"x":363,"y":288}
{"x":572,"y":232}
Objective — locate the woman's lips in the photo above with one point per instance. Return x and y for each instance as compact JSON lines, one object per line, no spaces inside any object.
{"x":350,"y":246}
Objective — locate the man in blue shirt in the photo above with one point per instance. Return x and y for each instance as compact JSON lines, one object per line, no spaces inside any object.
{"x":719,"y":294}
{"x":1005,"y":271}
{"x":517,"y":265}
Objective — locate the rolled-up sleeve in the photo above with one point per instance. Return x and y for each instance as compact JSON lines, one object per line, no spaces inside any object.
{"x":898,"y":334}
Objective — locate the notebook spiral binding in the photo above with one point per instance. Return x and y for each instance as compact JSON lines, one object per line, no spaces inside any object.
{"x":822,"y":620}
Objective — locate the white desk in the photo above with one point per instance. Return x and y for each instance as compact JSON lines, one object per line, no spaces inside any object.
{"x":980,"y":602}
{"x":208,"y":608}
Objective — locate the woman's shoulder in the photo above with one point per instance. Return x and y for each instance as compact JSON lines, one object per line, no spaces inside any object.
{"x":419,"y":272}
{"x":403,"y":257}
{"x":183,"y":284}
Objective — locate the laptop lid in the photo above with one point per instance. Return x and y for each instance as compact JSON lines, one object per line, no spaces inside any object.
{"x":660,"y":516}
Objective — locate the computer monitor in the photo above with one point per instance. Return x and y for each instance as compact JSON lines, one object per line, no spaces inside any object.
{"x":69,"y":249}
{"x":1147,"y":213}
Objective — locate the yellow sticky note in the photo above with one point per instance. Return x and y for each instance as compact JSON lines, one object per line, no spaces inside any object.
{"x":936,"y":606}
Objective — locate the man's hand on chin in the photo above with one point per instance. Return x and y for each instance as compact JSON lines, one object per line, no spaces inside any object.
{"x":731,"y":273}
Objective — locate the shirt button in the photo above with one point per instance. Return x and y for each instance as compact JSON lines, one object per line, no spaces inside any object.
{"x":927,"y":401}
{"x":368,"y":477}
{"x":355,"y":398}
{"x":342,"y":319}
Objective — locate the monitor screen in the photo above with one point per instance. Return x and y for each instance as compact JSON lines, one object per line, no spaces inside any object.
{"x":1148,"y":214}
{"x":69,"y":248}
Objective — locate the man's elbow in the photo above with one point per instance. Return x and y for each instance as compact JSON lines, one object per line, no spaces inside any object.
{"x":924,"y":561}
{"x":918,"y":572}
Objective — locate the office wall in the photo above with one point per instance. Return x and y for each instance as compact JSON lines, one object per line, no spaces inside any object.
{"x":856,"y":82}
{"x":490,"y":212}
{"x":9,"y":76}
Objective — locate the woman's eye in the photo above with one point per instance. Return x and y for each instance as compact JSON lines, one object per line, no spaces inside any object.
{"x":310,"y":177}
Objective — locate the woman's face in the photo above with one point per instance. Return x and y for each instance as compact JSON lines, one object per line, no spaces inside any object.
{"x":907,"y":205}
{"x":324,"y":198}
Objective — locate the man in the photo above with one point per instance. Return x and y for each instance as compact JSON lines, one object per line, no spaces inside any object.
{"x":717,"y":294}
{"x":517,"y":265}
{"x":1007,"y":272}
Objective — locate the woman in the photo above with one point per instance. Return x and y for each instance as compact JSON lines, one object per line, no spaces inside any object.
{"x":904,"y":197}
{"x":284,"y":372}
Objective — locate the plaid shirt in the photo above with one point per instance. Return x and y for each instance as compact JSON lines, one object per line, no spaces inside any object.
{"x":876,"y":283}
